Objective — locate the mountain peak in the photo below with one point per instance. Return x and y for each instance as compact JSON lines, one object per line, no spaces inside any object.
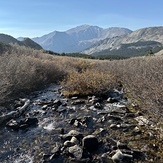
{"x":77,"y":39}
{"x":82,"y":28}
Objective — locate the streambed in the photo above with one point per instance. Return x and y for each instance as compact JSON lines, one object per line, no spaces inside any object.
{"x":40,"y":133}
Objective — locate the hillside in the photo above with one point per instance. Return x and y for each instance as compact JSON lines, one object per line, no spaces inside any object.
{"x":150,"y":38}
{"x":7,"y":39}
{"x":31,"y":44}
{"x":78,"y":38}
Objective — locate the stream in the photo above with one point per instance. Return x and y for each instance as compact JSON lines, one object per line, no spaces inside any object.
{"x":56,"y":129}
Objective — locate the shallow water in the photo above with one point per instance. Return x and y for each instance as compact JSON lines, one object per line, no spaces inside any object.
{"x":27,"y":145}
{"x":19,"y":147}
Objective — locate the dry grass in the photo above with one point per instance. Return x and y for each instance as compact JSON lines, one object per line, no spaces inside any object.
{"x":142,"y":79}
{"x":25,"y":69}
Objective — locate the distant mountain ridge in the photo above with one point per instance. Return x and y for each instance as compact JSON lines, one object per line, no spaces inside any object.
{"x":139,"y":40}
{"x":7,"y":39}
{"x":77,"y":39}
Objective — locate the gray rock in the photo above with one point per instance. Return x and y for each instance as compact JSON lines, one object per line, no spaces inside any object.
{"x":90,"y":143}
{"x":13,"y":124}
{"x":76,"y":151}
{"x":77,"y":102}
{"x":72,"y":133}
{"x":74,"y":140}
{"x":68,"y":143}
{"x":120,"y":157}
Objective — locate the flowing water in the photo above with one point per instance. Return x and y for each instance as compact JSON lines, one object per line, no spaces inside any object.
{"x":56,"y":115}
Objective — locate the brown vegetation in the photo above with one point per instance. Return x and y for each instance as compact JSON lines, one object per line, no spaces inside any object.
{"x":25,"y":69}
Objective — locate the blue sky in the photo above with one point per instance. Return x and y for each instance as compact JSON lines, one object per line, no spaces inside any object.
{"x":31,"y":18}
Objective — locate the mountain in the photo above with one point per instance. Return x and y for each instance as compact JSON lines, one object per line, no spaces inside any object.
{"x":135,"y":43}
{"x":7,"y":39}
{"x":31,"y":44}
{"x":77,"y":39}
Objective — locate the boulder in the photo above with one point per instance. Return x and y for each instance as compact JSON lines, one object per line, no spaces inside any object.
{"x":90,"y":143}
{"x":76,"y":151}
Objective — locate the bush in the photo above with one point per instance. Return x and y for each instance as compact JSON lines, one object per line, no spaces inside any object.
{"x":88,"y":82}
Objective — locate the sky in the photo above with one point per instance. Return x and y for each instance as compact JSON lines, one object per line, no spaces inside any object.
{"x":35,"y":18}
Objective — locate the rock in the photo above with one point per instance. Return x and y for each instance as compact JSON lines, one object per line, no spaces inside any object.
{"x":112,"y":100}
{"x":13,"y":124}
{"x":120,"y":157}
{"x":31,"y":121}
{"x":122,"y":146}
{"x":61,"y":109}
{"x":76,"y":123}
{"x":56,"y":150}
{"x":142,"y":120}
{"x":115,"y":118}
{"x":114,"y":126}
{"x":138,"y":155}
{"x":90,"y":143}
{"x":74,"y":140}
{"x":115,"y":94}
{"x":100,"y":132}
{"x":77,"y":102}
{"x":68,"y":143}
{"x":106,"y":159}
{"x":97,"y":105}
{"x":74,"y":98}
{"x":14,"y":114}
{"x":76,"y":151}
{"x":57,"y":102}
{"x":93,"y":99}
{"x":44,"y":107}
{"x":72,"y":133}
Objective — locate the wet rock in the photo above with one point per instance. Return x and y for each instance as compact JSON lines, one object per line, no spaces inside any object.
{"x":112,"y":100}
{"x":18,"y":103}
{"x":115,"y":118}
{"x":116,"y":94}
{"x":114,"y":126}
{"x":56,"y":150}
{"x":44,"y":107}
{"x":76,"y":151}
{"x":17,"y":113}
{"x":23,"y":126}
{"x":76,"y":123}
{"x":77,"y":102}
{"x":93,"y":99}
{"x":61,"y":109}
{"x":98,"y":105}
{"x":13,"y":124}
{"x":31,"y":121}
{"x":90,"y":143}
{"x":74,"y":98}
{"x":57,"y":102}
